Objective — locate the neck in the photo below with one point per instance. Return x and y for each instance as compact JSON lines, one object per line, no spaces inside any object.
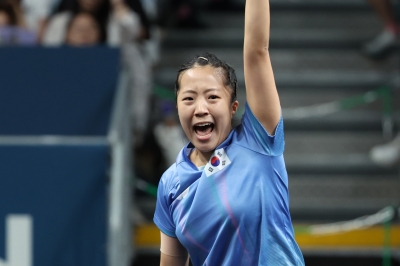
{"x":200,"y":158}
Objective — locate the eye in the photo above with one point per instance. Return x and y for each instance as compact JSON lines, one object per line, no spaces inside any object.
{"x":213,"y":97}
{"x":187,"y":99}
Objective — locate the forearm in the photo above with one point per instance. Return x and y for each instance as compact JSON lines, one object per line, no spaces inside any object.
{"x":125,"y":26}
{"x":172,"y":252}
{"x":167,"y":260}
{"x":257,"y":25}
{"x":261,"y":92}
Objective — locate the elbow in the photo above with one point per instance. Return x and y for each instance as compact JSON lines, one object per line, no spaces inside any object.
{"x":254,"y":52}
{"x":263,"y":50}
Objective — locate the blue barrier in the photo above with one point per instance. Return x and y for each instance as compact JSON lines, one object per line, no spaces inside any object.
{"x":57,"y":91}
{"x":54,"y":189}
{"x":63,"y":190}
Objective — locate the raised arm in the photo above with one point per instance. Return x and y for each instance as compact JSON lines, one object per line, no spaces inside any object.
{"x":128,"y":21}
{"x":261,"y":92}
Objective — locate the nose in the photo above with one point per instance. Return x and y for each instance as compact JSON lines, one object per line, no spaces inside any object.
{"x":201,"y":108}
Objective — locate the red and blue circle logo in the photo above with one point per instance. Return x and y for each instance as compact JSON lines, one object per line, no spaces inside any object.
{"x":215,"y":161}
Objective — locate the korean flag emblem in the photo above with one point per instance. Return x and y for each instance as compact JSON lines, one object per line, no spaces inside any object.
{"x":219,"y":160}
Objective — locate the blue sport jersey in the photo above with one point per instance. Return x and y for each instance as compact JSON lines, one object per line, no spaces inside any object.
{"x":236,"y":210}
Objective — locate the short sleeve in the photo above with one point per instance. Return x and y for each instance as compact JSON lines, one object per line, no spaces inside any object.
{"x":272,"y":145}
{"x":162,"y":215}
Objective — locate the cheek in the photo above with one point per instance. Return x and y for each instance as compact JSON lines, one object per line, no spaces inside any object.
{"x":223,"y":119}
{"x":183,"y":117}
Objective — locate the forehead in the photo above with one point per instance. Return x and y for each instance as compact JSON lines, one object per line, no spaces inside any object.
{"x":84,"y":18}
{"x":200,"y":76}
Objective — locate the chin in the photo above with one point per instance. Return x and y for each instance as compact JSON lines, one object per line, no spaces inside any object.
{"x":205,"y":148}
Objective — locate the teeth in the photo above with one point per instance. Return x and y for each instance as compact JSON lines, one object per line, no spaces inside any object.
{"x":204,"y":124}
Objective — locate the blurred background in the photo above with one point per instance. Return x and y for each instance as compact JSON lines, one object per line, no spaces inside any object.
{"x":88,"y":123}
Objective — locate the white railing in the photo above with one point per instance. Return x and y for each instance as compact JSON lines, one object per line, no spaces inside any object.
{"x":120,"y":246}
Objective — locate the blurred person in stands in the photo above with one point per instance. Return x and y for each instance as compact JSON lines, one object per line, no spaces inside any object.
{"x":385,"y":155}
{"x":168,"y":133}
{"x":12,"y":25}
{"x":125,"y":20}
{"x":125,"y":28}
{"x":122,"y":24}
{"x":389,"y":38}
{"x":84,"y":31}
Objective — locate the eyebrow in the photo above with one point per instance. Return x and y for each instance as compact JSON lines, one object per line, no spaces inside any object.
{"x":195,"y":92}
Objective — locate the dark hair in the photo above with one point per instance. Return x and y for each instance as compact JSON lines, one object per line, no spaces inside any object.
{"x":9,"y":9}
{"x":208,"y":59}
{"x":102,"y":14}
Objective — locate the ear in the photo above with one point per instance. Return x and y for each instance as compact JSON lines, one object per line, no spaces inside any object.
{"x":235,"y":106}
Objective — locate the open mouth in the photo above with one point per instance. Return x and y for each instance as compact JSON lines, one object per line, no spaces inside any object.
{"x":203,"y":129}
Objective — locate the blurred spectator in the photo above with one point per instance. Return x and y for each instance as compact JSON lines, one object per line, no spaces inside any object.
{"x":169,"y":134}
{"x":121,"y":23}
{"x":123,"y":28}
{"x":387,"y":155}
{"x":83,"y":30}
{"x":12,"y":26}
{"x":381,"y":45}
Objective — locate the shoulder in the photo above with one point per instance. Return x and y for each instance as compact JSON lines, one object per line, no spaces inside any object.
{"x":252,"y":135}
{"x":169,"y":177}
{"x":178,"y":177}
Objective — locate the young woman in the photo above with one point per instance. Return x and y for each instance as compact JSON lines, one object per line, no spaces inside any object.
{"x":83,"y":30}
{"x":225,"y":200}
